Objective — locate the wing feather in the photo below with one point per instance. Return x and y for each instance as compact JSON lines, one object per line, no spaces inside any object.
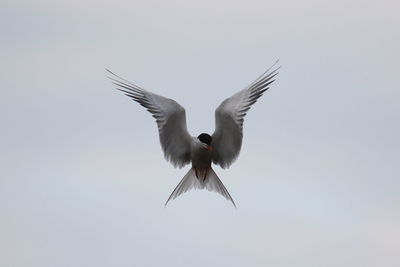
{"x":229,"y":118}
{"x":170,"y":118}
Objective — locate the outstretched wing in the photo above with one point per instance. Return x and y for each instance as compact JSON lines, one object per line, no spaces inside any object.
{"x":229,"y":116}
{"x":170,"y":118}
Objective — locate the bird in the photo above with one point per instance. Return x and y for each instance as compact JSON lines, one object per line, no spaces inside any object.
{"x":180,"y":148}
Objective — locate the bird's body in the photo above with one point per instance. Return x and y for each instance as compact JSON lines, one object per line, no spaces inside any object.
{"x":180,"y":148}
{"x":200,"y":156}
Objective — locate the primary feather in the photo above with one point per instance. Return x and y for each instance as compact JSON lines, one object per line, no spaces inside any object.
{"x":170,"y":117}
{"x":229,"y":116}
{"x":180,"y":148}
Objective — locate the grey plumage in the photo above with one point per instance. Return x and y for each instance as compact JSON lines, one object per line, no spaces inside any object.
{"x":229,"y":117}
{"x":180,"y":148}
{"x":170,"y":117}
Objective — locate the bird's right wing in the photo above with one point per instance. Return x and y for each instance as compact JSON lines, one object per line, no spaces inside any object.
{"x":170,"y":117}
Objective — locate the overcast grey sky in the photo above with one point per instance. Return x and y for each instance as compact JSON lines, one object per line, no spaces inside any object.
{"x":82,"y":177}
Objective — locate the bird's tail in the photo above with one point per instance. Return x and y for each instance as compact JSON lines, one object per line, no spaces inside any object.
{"x":205,"y":180}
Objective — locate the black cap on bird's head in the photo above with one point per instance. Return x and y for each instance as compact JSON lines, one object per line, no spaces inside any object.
{"x":205,"y":138}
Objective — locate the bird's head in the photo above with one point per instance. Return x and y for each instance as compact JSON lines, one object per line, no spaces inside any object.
{"x":206,"y":139}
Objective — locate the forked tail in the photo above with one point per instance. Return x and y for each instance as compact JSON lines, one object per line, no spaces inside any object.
{"x":211,"y":182}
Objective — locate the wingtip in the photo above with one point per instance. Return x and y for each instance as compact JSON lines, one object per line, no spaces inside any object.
{"x":166,"y":203}
{"x":279,"y":66}
{"x":234,"y":205}
{"x":276,"y":67}
{"x":109,"y":71}
{"x":113,"y":75}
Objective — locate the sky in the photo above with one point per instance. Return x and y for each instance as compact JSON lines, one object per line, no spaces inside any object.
{"x":83,"y":180}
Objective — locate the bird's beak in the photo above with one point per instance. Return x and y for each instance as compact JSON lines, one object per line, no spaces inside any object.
{"x":209,"y":148}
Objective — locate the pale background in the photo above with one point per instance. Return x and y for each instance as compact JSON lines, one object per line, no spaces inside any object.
{"x":82,"y":177}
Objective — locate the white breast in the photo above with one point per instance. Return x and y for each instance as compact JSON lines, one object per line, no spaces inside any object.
{"x":200,"y":155}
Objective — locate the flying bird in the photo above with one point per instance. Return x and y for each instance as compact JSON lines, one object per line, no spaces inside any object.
{"x":180,"y":148}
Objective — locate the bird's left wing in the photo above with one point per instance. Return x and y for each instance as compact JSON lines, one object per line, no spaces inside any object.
{"x":229,"y":116}
{"x":170,"y":117}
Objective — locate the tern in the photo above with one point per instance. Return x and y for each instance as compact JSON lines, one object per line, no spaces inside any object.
{"x":180,"y":148}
